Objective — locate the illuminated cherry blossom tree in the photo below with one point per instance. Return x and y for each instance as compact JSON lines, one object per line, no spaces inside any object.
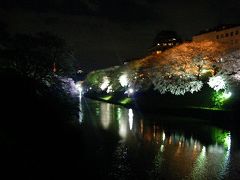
{"x":182,"y":69}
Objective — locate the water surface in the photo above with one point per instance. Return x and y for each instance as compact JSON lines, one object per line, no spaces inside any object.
{"x":120,"y":143}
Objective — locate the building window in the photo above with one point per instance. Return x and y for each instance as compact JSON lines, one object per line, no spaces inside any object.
{"x":231,"y":33}
{"x":222,"y":36}
{"x":226,"y":35}
{"x":217,"y":37}
{"x":236,"y":32}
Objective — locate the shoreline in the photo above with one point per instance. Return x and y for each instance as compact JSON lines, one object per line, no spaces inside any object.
{"x":215,"y":115}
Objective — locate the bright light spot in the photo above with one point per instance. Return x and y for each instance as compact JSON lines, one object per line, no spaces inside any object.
{"x":195,"y":146}
{"x":106,"y":115}
{"x":130,"y":118}
{"x":123,"y":80}
{"x":227,"y":95}
{"x":79,"y":86}
{"x":80,"y":117}
{"x":217,"y":83}
{"x":105,"y":83}
{"x":80,"y":108}
{"x":163,"y":136}
{"x":219,"y":98}
{"x":130,"y":91}
{"x":204,"y":150}
{"x":227,"y":141}
{"x":80,"y":71}
{"x":119,"y":113}
{"x":109,"y":89}
{"x":162,"y":148}
{"x":204,"y":71}
{"x":179,"y":144}
{"x":123,"y":128}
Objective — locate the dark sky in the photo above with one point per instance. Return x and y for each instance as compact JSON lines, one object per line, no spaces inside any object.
{"x":106,"y":32}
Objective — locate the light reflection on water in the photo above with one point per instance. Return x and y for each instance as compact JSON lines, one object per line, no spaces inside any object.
{"x":106,"y":114}
{"x":158,"y":149}
{"x":81,"y":114}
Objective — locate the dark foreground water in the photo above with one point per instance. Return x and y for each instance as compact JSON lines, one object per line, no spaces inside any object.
{"x":122,"y":144}
{"x":112,"y":142}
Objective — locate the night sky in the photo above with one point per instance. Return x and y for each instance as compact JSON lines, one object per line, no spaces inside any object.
{"x":103,"y":33}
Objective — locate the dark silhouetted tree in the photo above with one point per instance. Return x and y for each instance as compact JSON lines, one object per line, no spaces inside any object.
{"x":35,"y":55}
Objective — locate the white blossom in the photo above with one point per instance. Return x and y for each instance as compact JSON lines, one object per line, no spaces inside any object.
{"x":123,"y":80}
{"x":217,"y":83}
{"x":176,"y":85}
{"x":105,"y":83}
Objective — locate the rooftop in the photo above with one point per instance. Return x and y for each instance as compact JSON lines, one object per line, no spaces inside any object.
{"x":217,"y":28}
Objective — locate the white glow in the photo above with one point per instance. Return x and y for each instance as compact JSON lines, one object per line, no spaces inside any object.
{"x":123,"y":80}
{"x":163,"y":136}
{"x":105,"y":115}
{"x":130,"y":91}
{"x":80,"y":108}
{"x":123,"y":128}
{"x":130,"y":118}
{"x":105,"y":83}
{"x":204,"y":150}
{"x":227,"y":95}
{"x":217,"y":83}
{"x":162,"y":148}
{"x":109,"y":89}
{"x":228,"y":141}
{"x":79,"y":86}
{"x":237,"y":77}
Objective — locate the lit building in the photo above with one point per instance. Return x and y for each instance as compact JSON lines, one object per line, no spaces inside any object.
{"x":165,"y":40}
{"x":227,"y":34}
